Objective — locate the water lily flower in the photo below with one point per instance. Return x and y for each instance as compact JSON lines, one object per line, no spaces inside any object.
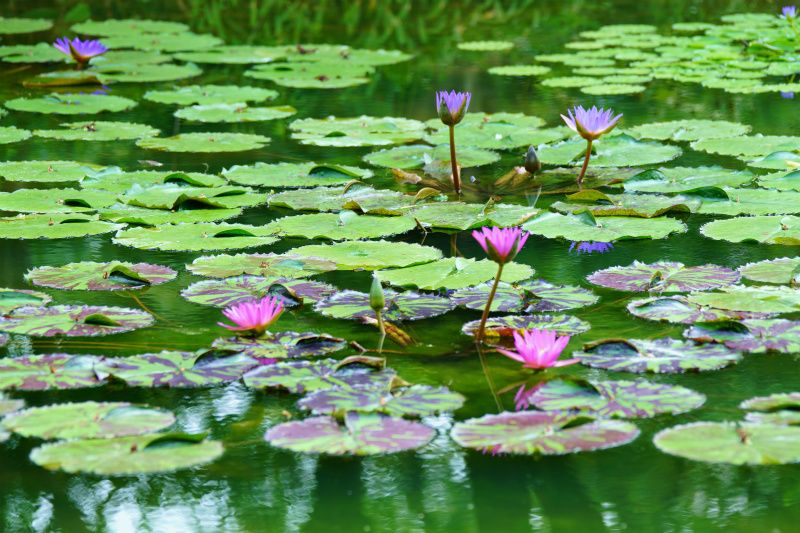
{"x":538,"y":349}
{"x":80,"y":51}
{"x":789,"y":12}
{"x":590,"y":124}
{"x":253,"y":317}
{"x":451,"y":108}
{"x":787,"y":95}
{"x":591,"y":247}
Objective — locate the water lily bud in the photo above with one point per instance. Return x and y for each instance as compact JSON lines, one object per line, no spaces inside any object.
{"x":532,"y":163}
{"x":452,"y":106}
{"x":377,"y":301}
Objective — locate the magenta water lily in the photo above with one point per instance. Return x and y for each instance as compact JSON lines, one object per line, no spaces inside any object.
{"x":253,"y":317}
{"x":538,"y":349}
{"x":452,"y":107}
{"x":80,"y":51}
{"x":591,"y":124}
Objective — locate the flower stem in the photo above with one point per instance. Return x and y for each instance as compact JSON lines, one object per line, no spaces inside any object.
{"x":453,"y":163}
{"x":486,"y":310}
{"x":379,"y":316}
{"x":585,"y":163}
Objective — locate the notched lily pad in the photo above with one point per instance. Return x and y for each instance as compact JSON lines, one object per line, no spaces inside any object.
{"x":266,"y":265}
{"x":281,"y":345}
{"x":664,"y":276}
{"x":662,"y":356}
{"x":762,"y":299}
{"x":686,"y":179}
{"x":369,"y":255}
{"x":205,"y":142}
{"x":453,"y":273}
{"x":54,"y":200}
{"x":358,"y":198}
{"x":98,"y":130}
{"x":53,"y":226}
{"x":71,"y":104}
{"x":236,"y":112}
{"x":74,"y":320}
{"x":781,"y":408}
{"x":751,"y":335}
{"x":195,"y":237}
{"x":399,"y":307}
{"x":44,"y":171}
{"x":295,"y":174}
{"x":776,"y":229}
{"x":231,"y":291}
{"x":689,"y":130}
{"x":505,"y":326}
{"x":782,"y":271}
{"x":91,"y":276}
{"x":210,"y":94}
{"x":414,"y":401}
{"x":680,"y":310}
{"x":345,"y":225}
{"x":11,"y":299}
{"x":46,"y":372}
{"x":358,"y":131}
{"x":583,"y":227}
{"x":421,"y":155}
{"x":526,"y":297}
{"x":303,"y":376}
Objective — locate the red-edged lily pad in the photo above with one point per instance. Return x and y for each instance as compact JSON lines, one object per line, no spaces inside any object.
{"x":662,"y":356}
{"x":526,"y":297}
{"x":230,"y":291}
{"x":90,"y":276}
{"x":282,"y":345}
{"x":664,"y":276}
{"x":50,"y":371}
{"x":679,"y":310}
{"x":417,"y":400}
{"x":74,"y":320}
{"x":752,"y":336}
{"x":781,"y":408}
{"x":399,"y":306}
{"x":505,"y":326}
{"x":11,"y":299}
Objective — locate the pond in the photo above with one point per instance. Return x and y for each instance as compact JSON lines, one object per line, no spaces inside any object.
{"x":225,"y":456}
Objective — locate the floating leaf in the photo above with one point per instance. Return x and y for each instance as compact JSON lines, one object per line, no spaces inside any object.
{"x":358,"y":434}
{"x":417,"y":400}
{"x":664,"y":276}
{"x":44,"y":171}
{"x":74,"y":320}
{"x":302,"y":376}
{"x":751,"y":299}
{"x":233,"y":55}
{"x":71,"y":104}
{"x":11,"y":134}
{"x":164,"y":42}
{"x":90,"y":276}
{"x":210,"y":94}
{"x":686,"y":179}
{"x":358,"y":198}
{"x":679,"y":310}
{"x":782,"y":181}
{"x":121,"y":182}
{"x":486,"y":46}
{"x":627,"y":205}
{"x":195,"y":237}
{"x":520,"y":70}
{"x":784,"y":271}
{"x":88,"y":420}
{"x":402,"y":306}
{"x":345,"y":225}
{"x":534,"y":432}
{"x":146,"y":454}
{"x":504,"y":326}
{"x":578,"y":227}
{"x":144,"y":72}
{"x":358,"y":131}
{"x":53,"y":226}
{"x":604,"y":89}
{"x":236,"y":112}
{"x":45,"y":372}
{"x":334,"y":74}
{"x":778,"y":229}
{"x":419,"y":155}
{"x":662,"y":356}
{"x":140,"y":216}
{"x":526,"y":297}
{"x":109,"y":27}
{"x":14,"y":25}
{"x":497,"y":131}
{"x":689,"y":130}
{"x":231,"y":291}
{"x":282,"y":345}
{"x":266,"y":265}
{"x":780,"y":160}
{"x":752,"y":336}
{"x":751,"y":202}
{"x":36,"y":53}
{"x":98,"y":131}
{"x":369,"y":255}
{"x":205,"y":142}
{"x":54,"y":200}
{"x":732,"y":443}
{"x":749,"y":146}
{"x":453,"y":273}
{"x":616,"y":151}
{"x":11,"y":299}
{"x":461,"y":216}
{"x":175,"y":197}
{"x":294,"y":174}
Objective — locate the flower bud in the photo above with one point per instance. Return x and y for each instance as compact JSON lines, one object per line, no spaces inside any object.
{"x":532,"y":163}
{"x":452,"y":106}
{"x":377,"y":300}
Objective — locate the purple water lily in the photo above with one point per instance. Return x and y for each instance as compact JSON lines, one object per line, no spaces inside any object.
{"x":80,"y":51}
{"x":590,"y":124}
{"x":789,"y":12}
{"x":591,"y":247}
{"x":452,"y":107}
{"x":788,"y":95}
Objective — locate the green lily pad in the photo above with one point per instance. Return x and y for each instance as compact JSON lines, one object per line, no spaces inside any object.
{"x":237,"y":112}
{"x":780,"y":160}
{"x":90,"y":276}
{"x":358,"y":131}
{"x":777,"y":229}
{"x":461,"y":216}
{"x":419,"y":155}
{"x":762,"y":299}
{"x":614,"y":399}
{"x":163,"y":42}
{"x":117,"y":181}
{"x":779,"y":408}
{"x":46,"y":372}
{"x":53,"y":226}
{"x":88,"y":420}
{"x":686,"y":179}
{"x":626,"y":205}
{"x":11,"y":134}
{"x":486,"y":46}
{"x":607,"y":89}
{"x":782,"y":271}
{"x":144,"y":72}
{"x":568,"y":82}
{"x":453,"y":273}
{"x":414,"y":401}
{"x":680,"y":310}
{"x":302,"y":376}
{"x":664,"y":276}
{"x":15,"y":25}
{"x":614,"y":151}
{"x":520,"y":70}
{"x":146,"y":454}
{"x":266,"y":265}
{"x":580,"y":227}
{"x":357,"y":434}
{"x":71,"y":104}
{"x":126,"y":57}
{"x":231,"y":291}
{"x":662,"y":356}
{"x":74,"y":320}
{"x":335,"y":74}
{"x":399,"y":307}
{"x":195,"y":237}
{"x":210,"y":94}
{"x":532,"y":296}
{"x":54,"y":200}
{"x":496,"y":131}
{"x":294,"y":174}
{"x":504,"y":326}
{"x":140,"y":216}
{"x":8,"y":405}
{"x":176,"y":197}
{"x":11,"y":299}
{"x":98,"y":131}
{"x":751,"y":202}
{"x":111,"y":27}
{"x":782,"y":181}
{"x":749,"y":146}
{"x":359,"y":198}
{"x":205,"y":142}
{"x":536,"y":432}
{"x":233,"y":55}
{"x":731,"y":442}
{"x":369,"y":255}
{"x":751,"y":336}
{"x":689,"y":130}
{"x":345,"y":225}
{"x":343,"y":53}
{"x":44,"y":171}
{"x":31,"y":53}
{"x":281,"y":345}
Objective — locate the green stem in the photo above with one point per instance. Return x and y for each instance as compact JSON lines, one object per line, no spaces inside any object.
{"x":489,"y":381}
{"x":379,"y":316}
{"x":453,"y":163}
{"x":479,"y":334}
{"x":585,"y":164}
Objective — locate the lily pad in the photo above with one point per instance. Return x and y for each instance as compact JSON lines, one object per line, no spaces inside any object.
{"x":627,"y":205}
{"x":176,"y":197}
{"x":414,"y":401}
{"x":664,"y":276}
{"x":90,"y":276}
{"x":608,"y":89}
{"x":662,"y":356}
{"x":74,"y":320}
{"x":545,"y":433}
{"x":782,"y":408}
{"x":780,"y":160}
{"x":369,"y":255}
{"x":751,"y":202}
{"x":31,"y":53}
{"x":453,"y":273}
{"x":98,"y":131}
{"x":461,"y":216}
{"x":11,"y":134}
{"x":776,"y":229}
{"x":782,"y":181}
{"x":233,"y":55}
{"x":357,"y":198}
{"x":615,"y":399}
{"x":680,"y":310}
{"x":109,"y":27}
{"x":163,"y":42}
{"x":358,"y":131}
{"x":686,"y":179}
{"x":146,"y":454}
{"x":210,"y":94}
{"x":195,"y":237}
{"x":9,"y":405}
{"x":615,"y":151}
{"x":583,"y":227}
{"x":51,"y":371}
{"x":140,"y":216}
{"x":144,"y":72}
{"x":236,"y":112}
{"x":11,"y":299}
{"x":231,"y":291}
{"x":496,"y":131}
{"x":294,"y":174}
{"x":335,"y":74}
{"x":54,"y":200}
{"x":526,"y":297}
{"x":504,"y":326}
{"x":175,"y":369}
{"x":782,"y":271}
{"x":44,"y":171}
{"x":689,"y":130}
{"x":266,"y":265}
{"x":749,"y":146}
{"x":399,"y":307}
{"x":762,"y":299}
{"x":281,"y":345}
{"x":344,"y":53}
{"x":751,"y":336}
{"x":88,"y":420}
{"x":486,"y":46}
{"x":419,"y":155}
{"x":357,"y":434}
{"x":15,"y":25}
{"x":121,"y":182}
{"x":71,"y":104}
{"x":53,"y":226}
{"x":205,"y":142}
{"x":301,"y":376}
{"x":732,"y":442}
{"x":345,"y":225}
{"x":520,"y":70}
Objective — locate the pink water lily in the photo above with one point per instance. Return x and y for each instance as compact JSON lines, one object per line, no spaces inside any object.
{"x":253,"y":317}
{"x":538,"y":349}
{"x":501,"y":244}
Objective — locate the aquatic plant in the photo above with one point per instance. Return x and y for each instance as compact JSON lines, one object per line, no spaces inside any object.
{"x":254,"y":317}
{"x":591,"y":124}
{"x":532,"y":163}
{"x":789,"y":12}
{"x":80,"y":51}
{"x":377,"y":300}
{"x":538,"y":349}
{"x":501,"y":246}
{"x":452,"y":107}
{"x":590,"y":247}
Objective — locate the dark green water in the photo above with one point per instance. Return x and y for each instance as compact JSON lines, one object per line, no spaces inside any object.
{"x":441,"y":488}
